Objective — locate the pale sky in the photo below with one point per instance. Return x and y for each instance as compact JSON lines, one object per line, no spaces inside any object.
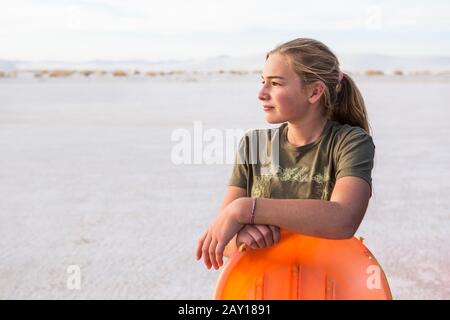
{"x":73,"y":30}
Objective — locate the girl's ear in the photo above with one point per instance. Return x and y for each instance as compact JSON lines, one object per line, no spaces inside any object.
{"x":315,"y":91}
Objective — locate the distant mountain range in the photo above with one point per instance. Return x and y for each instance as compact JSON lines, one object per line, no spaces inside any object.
{"x":349,"y":62}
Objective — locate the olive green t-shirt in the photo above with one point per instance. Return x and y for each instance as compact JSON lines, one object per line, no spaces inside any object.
{"x":306,"y":172}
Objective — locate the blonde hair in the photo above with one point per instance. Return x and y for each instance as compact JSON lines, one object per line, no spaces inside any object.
{"x":312,"y":61}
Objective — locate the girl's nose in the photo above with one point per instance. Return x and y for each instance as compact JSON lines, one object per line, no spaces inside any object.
{"x":262,"y":94}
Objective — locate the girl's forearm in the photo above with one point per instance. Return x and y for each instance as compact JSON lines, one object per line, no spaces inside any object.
{"x":319,"y":218}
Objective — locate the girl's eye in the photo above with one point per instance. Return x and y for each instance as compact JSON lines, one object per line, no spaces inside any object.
{"x":272,"y":83}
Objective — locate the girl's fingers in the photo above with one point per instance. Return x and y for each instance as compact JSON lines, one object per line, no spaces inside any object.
{"x":219,"y":253}
{"x":205,"y":251}
{"x":252,"y":237}
{"x":244,"y":237}
{"x":212,"y":254}
{"x":256,"y":234}
{"x":275,"y":233}
{"x":250,"y":241}
{"x":266,"y":233}
{"x":200,"y":245}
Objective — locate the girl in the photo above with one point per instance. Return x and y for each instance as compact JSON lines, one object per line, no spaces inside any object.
{"x":322,"y":183}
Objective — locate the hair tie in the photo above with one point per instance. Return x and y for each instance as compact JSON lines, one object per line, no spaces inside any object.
{"x":341,"y":75}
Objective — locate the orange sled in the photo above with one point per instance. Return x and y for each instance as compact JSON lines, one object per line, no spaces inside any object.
{"x":302,"y":268}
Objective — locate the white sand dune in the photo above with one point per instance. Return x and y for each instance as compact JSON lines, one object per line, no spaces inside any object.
{"x":86,"y":179}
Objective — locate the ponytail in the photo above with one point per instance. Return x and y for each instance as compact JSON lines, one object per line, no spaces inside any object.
{"x":350,"y":107}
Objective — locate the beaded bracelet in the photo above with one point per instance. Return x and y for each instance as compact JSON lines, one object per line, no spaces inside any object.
{"x":252,"y":219}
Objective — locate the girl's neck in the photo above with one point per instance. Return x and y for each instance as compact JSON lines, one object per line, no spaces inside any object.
{"x":305,"y":132}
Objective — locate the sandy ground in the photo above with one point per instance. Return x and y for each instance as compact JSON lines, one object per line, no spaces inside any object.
{"x":86,"y":179}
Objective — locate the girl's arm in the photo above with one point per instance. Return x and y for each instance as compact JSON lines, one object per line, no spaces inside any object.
{"x":338,"y":218}
{"x":232,"y":194}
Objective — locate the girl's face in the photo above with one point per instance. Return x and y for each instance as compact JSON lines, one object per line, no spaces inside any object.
{"x":284,"y":95}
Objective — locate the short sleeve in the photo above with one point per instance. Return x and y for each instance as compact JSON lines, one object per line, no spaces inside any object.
{"x":355,"y":156}
{"x":239,"y":173}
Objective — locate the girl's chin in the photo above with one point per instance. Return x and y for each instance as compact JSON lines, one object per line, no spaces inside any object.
{"x":273,"y":120}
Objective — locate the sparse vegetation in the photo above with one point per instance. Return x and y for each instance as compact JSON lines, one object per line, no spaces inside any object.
{"x":8,"y":74}
{"x":371,"y":73}
{"x":189,"y":76}
{"x":60,"y":73}
{"x":87,"y":73}
{"x":175,"y":72}
{"x":238,"y":72}
{"x":120,"y":73}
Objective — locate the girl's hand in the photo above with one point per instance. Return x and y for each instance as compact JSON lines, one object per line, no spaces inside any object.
{"x":211,"y":244}
{"x":258,"y":236}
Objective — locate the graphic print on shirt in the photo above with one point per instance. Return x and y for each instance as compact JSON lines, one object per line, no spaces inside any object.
{"x":319,"y":182}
